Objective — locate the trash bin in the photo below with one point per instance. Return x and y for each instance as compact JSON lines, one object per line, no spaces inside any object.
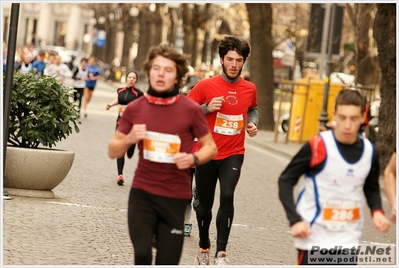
{"x":306,"y":106}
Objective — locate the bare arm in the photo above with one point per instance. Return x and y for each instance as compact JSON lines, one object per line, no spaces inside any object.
{"x":206,"y":153}
{"x":208,"y":149}
{"x":109,"y":105}
{"x":390,"y":184}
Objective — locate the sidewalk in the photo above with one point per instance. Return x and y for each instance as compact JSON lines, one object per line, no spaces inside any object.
{"x":265,"y":139}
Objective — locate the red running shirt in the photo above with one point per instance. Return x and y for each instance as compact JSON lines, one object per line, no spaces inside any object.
{"x":229,"y":123}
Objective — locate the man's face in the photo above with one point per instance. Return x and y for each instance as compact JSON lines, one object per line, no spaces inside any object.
{"x":232,"y":64}
{"x":348,"y":118}
{"x":163,"y":74}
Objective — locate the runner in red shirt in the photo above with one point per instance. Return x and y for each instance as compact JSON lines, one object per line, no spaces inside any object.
{"x":230,"y":104}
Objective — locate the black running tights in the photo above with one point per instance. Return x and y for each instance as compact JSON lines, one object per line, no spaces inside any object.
{"x":228,"y":172}
{"x":120,"y":162}
{"x":150,"y":215}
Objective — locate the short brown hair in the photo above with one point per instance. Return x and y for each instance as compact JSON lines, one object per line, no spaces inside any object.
{"x":171,"y":53}
{"x":350,"y":97}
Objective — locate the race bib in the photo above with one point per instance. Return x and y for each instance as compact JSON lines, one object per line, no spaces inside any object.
{"x":341,"y":215}
{"x":121,"y":109}
{"x":160,"y":147}
{"x":228,"y":124}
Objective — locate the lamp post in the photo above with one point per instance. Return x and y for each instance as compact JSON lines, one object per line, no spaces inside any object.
{"x":11,"y":48}
{"x":324,"y":115}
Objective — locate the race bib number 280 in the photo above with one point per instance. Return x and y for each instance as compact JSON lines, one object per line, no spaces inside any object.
{"x":228,"y":124}
{"x":160,"y":147}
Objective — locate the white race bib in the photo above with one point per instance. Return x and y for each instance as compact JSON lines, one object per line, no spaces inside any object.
{"x":160,"y":147}
{"x":228,"y":124}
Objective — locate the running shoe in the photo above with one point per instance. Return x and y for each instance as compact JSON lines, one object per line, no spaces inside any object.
{"x":6,"y":197}
{"x":195,"y":199}
{"x":203,"y":257}
{"x":120,"y":181}
{"x":221,"y":258}
{"x":187,"y":229}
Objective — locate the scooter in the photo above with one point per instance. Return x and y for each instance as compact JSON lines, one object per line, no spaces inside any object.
{"x":284,"y":125}
{"x":373,"y":129}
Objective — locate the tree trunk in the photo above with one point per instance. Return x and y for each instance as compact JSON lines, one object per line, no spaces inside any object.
{"x":261,"y":61}
{"x":188,"y":30}
{"x":365,"y":63}
{"x":144,"y":45}
{"x":110,"y":43}
{"x":385,"y":35}
{"x":128,"y":26}
{"x":173,"y":26}
{"x":206,"y":48}
{"x":127,"y":44}
{"x":158,"y":25}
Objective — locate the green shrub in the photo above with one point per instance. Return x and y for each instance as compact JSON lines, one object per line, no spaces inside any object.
{"x":42,"y":111}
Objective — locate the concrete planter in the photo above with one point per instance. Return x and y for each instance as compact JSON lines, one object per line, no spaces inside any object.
{"x":35,"y":172}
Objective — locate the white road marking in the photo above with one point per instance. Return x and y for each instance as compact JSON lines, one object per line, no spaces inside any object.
{"x":85,"y":206}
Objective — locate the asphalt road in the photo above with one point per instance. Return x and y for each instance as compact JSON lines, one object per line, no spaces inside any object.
{"x":86,"y":223}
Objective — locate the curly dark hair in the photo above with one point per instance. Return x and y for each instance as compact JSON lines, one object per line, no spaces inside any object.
{"x":235,"y":43}
{"x":171,"y":53}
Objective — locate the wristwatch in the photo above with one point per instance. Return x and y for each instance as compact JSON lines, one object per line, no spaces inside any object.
{"x":196,"y":161}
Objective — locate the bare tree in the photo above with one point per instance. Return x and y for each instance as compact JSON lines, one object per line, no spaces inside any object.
{"x":188,"y":29}
{"x":261,"y":60}
{"x":362,"y":17}
{"x":385,"y":35}
{"x":128,"y":26}
{"x":144,"y":36}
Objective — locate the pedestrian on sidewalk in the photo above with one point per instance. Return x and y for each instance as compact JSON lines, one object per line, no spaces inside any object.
{"x":231,"y":108}
{"x":91,"y":82}
{"x":164,"y":124}
{"x":125,"y":96}
{"x":340,"y":167}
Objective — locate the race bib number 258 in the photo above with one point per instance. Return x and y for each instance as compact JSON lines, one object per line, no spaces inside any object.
{"x":228,"y":124}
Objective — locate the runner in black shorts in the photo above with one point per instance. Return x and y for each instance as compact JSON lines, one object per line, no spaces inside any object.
{"x":91,"y":82}
{"x":125,"y":96}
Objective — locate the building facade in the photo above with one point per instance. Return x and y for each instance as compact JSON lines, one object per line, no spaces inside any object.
{"x":59,"y":24}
